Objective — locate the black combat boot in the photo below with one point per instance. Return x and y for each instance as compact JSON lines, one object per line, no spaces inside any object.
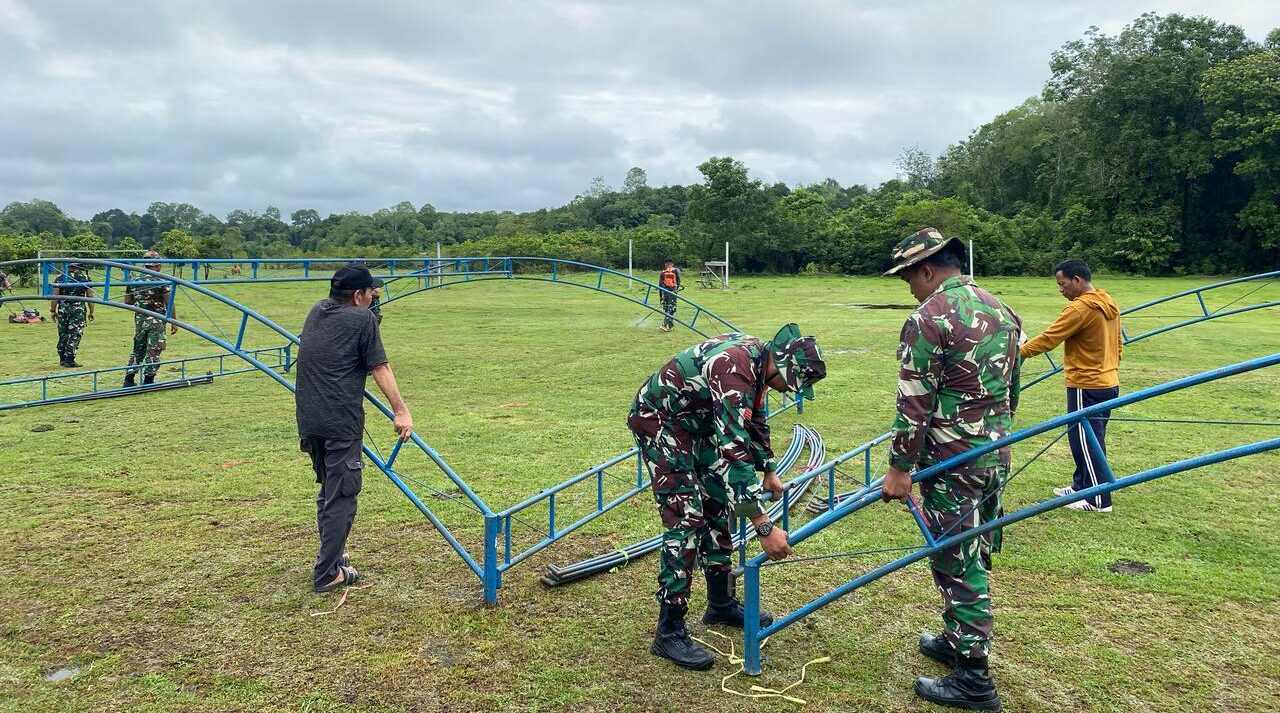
{"x":968,"y":686}
{"x":938,"y":649}
{"x":71,"y":362}
{"x":672,"y":640}
{"x":149,"y":379}
{"x":128,"y":380}
{"x":723,"y":607}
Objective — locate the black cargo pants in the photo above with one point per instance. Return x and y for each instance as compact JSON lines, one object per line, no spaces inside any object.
{"x":339,"y":467}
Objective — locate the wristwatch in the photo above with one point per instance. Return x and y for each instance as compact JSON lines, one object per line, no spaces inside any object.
{"x":764,"y":528}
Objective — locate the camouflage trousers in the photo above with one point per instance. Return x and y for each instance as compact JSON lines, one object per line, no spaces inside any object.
{"x":71,"y":324}
{"x":148,"y":343}
{"x":953,"y":503}
{"x":693,"y":504}
{"x":668,"y":309}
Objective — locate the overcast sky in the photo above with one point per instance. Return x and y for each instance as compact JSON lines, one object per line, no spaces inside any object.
{"x":347,"y":105}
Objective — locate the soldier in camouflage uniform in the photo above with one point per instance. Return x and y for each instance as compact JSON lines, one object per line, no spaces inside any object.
{"x":957,"y":389}
{"x":71,"y":315}
{"x":148,"y":331}
{"x":700,"y":424}
{"x":375,"y":306}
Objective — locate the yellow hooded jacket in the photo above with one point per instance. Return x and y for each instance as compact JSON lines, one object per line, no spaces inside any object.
{"x":1090,"y":326}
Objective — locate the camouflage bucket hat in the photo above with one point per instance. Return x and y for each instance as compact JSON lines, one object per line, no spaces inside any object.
{"x":799,"y":360}
{"x":916,"y":247}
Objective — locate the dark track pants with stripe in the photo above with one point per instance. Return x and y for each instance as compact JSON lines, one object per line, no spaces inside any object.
{"x":1088,"y":469}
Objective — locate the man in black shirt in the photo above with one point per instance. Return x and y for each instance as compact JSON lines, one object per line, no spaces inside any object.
{"x":340,"y":348}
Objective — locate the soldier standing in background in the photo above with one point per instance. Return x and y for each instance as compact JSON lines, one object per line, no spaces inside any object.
{"x":957,"y":390}
{"x":699,"y":422}
{"x":669,"y":285}
{"x":70,"y":314}
{"x":148,"y":331}
{"x":376,"y":305}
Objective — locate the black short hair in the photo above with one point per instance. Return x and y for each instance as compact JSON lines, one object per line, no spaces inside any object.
{"x":951,"y":255}
{"x":1074,"y":267}
{"x":345,"y":297}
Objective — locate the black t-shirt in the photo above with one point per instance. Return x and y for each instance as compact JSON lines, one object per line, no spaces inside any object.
{"x":340,"y":346}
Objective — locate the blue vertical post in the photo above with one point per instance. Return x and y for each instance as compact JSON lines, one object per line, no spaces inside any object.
{"x":639,"y":467}
{"x":506,"y":539}
{"x":831,"y":487}
{"x":751,"y":617}
{"x":551,"y":516}
{"x":44,"y":279}
{"x":1095,"y":447}
{"x":491,"y":575}
{"x":799,"y":403}
{"x":106,"y":284}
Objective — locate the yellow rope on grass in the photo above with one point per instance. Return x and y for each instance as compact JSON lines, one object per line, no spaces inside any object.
{"x":757,"y":691}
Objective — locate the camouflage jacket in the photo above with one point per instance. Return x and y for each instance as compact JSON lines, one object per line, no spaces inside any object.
{"x":716,"y":390}
{"x":154,"y":298}
{"x":958,"y":381}
{"x":68,"y":283}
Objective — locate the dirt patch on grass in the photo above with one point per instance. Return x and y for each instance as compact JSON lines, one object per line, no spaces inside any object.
{"x":1130,"y":567}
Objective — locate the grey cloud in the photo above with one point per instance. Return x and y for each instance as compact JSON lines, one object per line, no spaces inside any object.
{"x":354,"y":106}
{"x":755,"y":127}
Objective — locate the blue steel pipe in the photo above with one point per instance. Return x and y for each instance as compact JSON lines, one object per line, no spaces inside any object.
{"x":869,"y":496}
{"x":837,"y":513}
{"x":752,"y":579}
{"x":435,"y":457}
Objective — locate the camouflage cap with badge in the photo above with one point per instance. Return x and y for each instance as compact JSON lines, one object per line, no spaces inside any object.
{"x":799,"y":360}
{"x":918,"y":246}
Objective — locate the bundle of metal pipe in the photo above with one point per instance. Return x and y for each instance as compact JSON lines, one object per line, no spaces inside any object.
{"x":801,"y":437}
{"x":112,"y":393}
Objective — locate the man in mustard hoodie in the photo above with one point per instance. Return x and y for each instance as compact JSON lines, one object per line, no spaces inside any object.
{"x":1090,"y":328}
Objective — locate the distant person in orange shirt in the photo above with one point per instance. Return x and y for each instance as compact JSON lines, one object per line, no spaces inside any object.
{"x":1089,"y":328}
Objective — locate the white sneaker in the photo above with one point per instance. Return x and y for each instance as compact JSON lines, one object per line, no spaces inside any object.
{"x":1063,"y":491}
{"x":1086,"y":506}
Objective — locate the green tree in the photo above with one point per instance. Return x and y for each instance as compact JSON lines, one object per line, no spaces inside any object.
{"x":132,"y":247}
{"x":729,"y":206}
{"x":20,"y":247}
{"x":177,"y":244}
{"x":1242,"y":99}
{"x":34,"y":217}
{"x":636,"y":179}
{"x":87,"y":245}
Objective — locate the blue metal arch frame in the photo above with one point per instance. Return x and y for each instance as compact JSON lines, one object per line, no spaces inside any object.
{"x":497,"y":525}
{"x":754,"y":634}
{"x":237,"y":349}
{"x":507,"y":268}
{"x":459,"y":270}
{"x":1205,"y":316}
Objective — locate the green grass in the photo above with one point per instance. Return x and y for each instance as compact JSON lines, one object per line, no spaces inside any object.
{"x":163,"y":543}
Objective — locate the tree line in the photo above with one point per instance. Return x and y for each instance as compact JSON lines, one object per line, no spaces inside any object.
{"x":1154,"y":151}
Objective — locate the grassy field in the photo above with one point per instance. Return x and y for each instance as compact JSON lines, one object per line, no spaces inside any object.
{"x":161,"y":545}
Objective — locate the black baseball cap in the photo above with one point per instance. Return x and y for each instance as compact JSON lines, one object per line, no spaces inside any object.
{"x":353,"y":277}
